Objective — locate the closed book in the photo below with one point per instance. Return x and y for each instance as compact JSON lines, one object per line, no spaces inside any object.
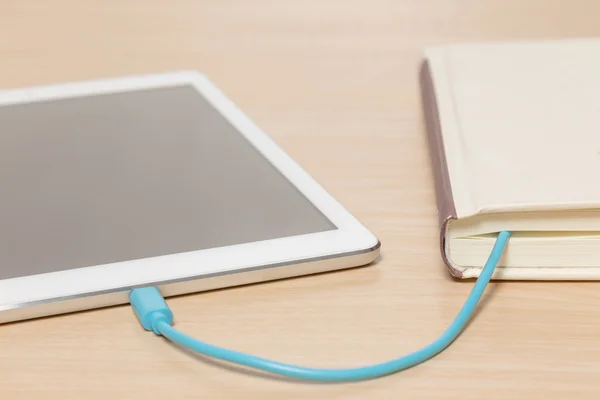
{"x":514,"y":137}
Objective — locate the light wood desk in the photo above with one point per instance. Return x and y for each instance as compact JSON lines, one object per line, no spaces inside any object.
{"x":335,"y":84}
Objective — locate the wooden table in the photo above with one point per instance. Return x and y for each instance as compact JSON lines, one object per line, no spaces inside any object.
{"x":335,"y":84}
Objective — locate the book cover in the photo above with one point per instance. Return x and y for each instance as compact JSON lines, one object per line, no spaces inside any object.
{"x":514,"y":137}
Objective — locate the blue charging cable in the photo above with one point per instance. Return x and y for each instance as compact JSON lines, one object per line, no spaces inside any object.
{"x":154,"y":314}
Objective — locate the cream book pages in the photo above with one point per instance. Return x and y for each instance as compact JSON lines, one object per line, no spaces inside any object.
{"x":514,"y":132}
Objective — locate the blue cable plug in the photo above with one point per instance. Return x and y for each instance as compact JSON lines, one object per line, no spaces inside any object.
{"x":150,"y":308}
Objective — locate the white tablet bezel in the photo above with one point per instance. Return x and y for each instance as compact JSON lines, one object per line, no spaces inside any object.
{"x":349,"y":237}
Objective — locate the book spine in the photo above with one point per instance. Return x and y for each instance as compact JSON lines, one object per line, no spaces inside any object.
{"x":445,"y":202}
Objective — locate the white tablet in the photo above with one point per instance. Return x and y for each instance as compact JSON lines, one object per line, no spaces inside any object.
{"x":157,"y":180}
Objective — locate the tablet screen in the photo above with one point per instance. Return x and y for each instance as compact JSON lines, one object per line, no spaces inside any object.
{"x":117,"y":177}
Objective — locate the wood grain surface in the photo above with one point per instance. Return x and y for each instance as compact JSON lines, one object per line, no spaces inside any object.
{"x":335,"y":84}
